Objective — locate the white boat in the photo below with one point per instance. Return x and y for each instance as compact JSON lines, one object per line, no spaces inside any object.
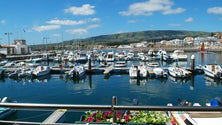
{"x":179,"y":55}
{"x":2,"y":63}
{"x":77,"y":72}
{"x":197,"y":117}
{"x":153,"y":64}
{"x":5,"y":111}
{"x":151,"y":53}
{"x":213,"y":70}
{"x":120,"y":64}
{"x":129,"y":56}
{"x":162,"y":54}
{"x":138,"y":71}
{"x":109,"y":57}
{"x":41,"y":71}
{"x":160,"y":72}
{"x":178,"y":72}
{"x":81,"y":57}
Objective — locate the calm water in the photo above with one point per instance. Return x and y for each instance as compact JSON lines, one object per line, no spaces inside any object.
{"x":97,"y":90}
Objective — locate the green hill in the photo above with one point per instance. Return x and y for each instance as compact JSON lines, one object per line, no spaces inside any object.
{"x":155,"y":35}
{"x":128,"y":37}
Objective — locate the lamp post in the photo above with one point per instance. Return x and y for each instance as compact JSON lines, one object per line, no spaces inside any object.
{"x":8,"y":37}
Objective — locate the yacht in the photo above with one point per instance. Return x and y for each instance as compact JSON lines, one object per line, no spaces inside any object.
{"x":138,"y":71}
{"x":213,"y":70}
{"x":179,"y":55}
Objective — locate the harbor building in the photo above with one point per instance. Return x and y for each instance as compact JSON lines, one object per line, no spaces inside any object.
{"x":18,"y":48}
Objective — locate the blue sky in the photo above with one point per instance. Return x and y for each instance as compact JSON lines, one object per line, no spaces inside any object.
{"x":51,"y":21}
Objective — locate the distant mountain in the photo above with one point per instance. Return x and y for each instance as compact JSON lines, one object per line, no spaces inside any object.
{"x":129,"y":37}
{"x":154,"y":35}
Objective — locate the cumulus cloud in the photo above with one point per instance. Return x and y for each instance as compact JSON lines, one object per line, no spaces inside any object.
{"x":65,"y":22}
{"x":189,"y":19}
{"x":45,"y":28}
{"x":85,"y":9}
{"x":94,"y":19}
{"x":81,"y":31}
{"x":147,"y":8}
{"x":215,"y":10}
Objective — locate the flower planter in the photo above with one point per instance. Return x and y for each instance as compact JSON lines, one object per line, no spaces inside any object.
{"x":127,"y":118}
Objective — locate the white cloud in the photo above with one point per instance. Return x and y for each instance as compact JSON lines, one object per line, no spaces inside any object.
{"x":2,"y":22}
{"x":147,"y":8}
{"x":215,"y":10}
{"x":65,"y":22}
{"x":188,"y":20}
{"x":86,"y":9}
{"x":81,"y":31}
{"x":46,"y":27}
{"x":173,"y":11}
{"x":94,"y":19}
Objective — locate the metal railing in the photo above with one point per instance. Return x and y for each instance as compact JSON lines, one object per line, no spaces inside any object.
{"x":114,"y":108}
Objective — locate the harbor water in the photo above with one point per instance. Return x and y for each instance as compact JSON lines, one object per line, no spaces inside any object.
{"x":98,"y":89}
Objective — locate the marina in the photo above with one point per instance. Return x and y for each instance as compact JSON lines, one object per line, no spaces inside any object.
{"x":98,"y":86}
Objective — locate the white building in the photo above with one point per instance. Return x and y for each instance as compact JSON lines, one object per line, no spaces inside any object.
{"x":19,"y":47}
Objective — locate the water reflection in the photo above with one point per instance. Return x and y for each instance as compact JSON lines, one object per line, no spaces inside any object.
{"x":211,"y":82}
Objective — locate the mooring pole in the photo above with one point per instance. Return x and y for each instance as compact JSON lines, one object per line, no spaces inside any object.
{"x":89,"y":65}
{"x":114,"y":102}
{"x":192,"y":64}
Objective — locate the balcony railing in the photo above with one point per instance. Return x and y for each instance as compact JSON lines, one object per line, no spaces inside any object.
{"x":113,"y":107}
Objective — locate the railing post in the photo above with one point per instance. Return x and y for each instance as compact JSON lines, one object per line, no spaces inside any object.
{"x":114,"y":102}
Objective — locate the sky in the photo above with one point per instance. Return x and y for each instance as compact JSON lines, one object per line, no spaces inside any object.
{"x":53,"y":21}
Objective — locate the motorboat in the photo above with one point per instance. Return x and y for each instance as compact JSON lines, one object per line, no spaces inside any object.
{"x":120,"y":64}
{"x":153,"y":64}
{"x":41,"y":71}
{"x":5,"y":111}
{"x":163,"y":55}
{"x":138,"y":71}
{"x":151,"y":53}
{"x":110,"y":57}
{"x":159,"y":72}
{"x":179,"y":72}
{"x":179,"y":55}
{"x":213,"y":70}
{"x":77,"y":72}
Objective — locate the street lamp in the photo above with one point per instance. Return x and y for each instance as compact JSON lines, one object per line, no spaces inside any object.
{"x":8,"y":37}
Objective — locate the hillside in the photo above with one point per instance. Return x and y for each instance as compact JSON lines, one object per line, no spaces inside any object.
{"x":126,"y":38}
{"x":155,"y":35}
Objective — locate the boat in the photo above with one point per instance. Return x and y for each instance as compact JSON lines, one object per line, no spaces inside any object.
{"x":179,"y":72}
{"x":153,"y":64}
{"x":81,"y":57}
{"x":151,"y":53}
{"x":163,"y":55}
{"x":110,"y":57}
{"x":77,"y":72}
{"x":179,"y":55}
{"x":5,"y":111}
{"x":41,"y":71}
{"x":195,"y":117}
{"x":213,"y":71}
{"x":160,"y":72}
{"x":138,"y":71}
{"x":120,"y":64}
